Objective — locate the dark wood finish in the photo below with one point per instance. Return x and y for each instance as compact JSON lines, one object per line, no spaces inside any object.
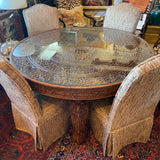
{"x":79,"y":108}
{"x":7,"y":14}
{"x":16,"y":19}
{"x":4,"y":15}
{"x":74,"y":93}
{"x":79,"y":114}
{"x":1,"y":35}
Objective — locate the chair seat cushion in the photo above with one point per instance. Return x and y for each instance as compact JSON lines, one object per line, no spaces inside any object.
{"x":50,"y":105}
{"x":54,"y":122}
{"x":99,"y":115}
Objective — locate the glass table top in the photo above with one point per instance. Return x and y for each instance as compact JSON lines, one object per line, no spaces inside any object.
{"x":80,"y":56}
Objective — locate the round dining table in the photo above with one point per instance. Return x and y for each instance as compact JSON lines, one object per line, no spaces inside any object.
{"x":80,"y":65}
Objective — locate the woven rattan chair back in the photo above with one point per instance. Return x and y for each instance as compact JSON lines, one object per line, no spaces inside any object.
{"x":123,"y":16}
{"x":40,"y":18}
{"x":133,"y":107}
{"x":18,"y":90}
{"x":45,"y":118}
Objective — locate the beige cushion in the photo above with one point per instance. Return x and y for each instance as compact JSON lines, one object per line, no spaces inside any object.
{"x":71,"y":16}
{"x":98,"y":116}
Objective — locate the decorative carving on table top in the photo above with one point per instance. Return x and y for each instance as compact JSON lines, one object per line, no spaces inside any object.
{"x":66,"y":57}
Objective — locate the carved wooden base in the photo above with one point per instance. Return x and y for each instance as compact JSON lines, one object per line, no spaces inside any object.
{"x":79,"y":115}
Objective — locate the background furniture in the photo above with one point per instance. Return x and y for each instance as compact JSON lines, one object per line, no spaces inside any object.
{"x":79,"y":64}
{"x":145,"y":16}
{"x":40,"y":18}
{"x":1,"y":35}
{"x":10,"y":26}
{"x":123,"y":16}
{"x":15,"y":5}
{"x":156,"y":46}
{"x":152,"y":34}
{"x":130,"y":118}
{"x":45,"y":118}
{"x":139,"y":4}
{"x":47,"y":2}
{"x":97,"y":2}
{"x":71,"y":12}
{"x":97,"y":13}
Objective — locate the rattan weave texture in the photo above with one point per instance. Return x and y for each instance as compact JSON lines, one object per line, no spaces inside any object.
{"x":45,"y":118}
{"x":123,"y":16}
{"x":40,"y":18}
{"x":129,"y":118}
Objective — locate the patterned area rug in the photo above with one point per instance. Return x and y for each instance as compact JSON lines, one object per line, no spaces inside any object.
{"x":66,"y":149}
{"x":17,"y":145}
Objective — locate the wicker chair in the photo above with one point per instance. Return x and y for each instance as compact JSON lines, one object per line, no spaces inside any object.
{"x":129,"y":118}
{"x":45,"y":118}
{"x":123,"y":16}
{"x":40,"y":18}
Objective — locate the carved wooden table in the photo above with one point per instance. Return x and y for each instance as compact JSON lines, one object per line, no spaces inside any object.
{"x":79,"y":64}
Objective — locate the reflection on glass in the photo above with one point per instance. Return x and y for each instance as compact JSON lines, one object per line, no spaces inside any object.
{"x":24,"y":49}
{"x":6,"y":47}
{"x":80,"y":56}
